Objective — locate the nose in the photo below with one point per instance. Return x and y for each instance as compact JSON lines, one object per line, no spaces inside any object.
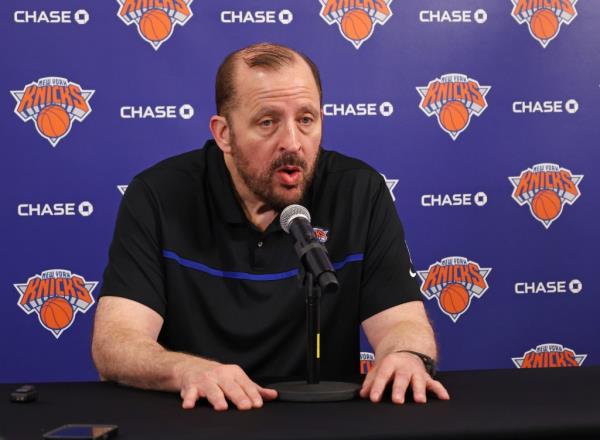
{"x":290,"y":137}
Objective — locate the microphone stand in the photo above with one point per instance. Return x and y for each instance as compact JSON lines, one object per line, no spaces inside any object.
{"x":313,"y":390}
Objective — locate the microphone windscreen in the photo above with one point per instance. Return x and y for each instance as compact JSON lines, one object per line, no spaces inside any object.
{"x":290,"y":213}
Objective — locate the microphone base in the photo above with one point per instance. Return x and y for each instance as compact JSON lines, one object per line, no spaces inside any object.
{"x":317,"y":392}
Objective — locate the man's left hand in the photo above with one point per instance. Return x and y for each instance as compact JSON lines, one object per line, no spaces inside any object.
{"x":403,"y":370}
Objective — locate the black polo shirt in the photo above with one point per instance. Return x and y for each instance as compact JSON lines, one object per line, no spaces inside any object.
{"x":227,"y":291}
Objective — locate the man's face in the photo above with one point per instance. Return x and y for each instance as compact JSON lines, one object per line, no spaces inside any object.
{"x":275,"y":132}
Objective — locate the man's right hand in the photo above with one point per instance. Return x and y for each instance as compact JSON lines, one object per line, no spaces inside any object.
{"x":217,"y":383}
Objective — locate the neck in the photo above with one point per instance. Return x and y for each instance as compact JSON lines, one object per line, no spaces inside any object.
{"x":257,"y":211}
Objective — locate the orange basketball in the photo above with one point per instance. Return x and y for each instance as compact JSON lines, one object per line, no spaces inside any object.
{"x":56,"y":313}
{"x":454,"y":116}
{"x":155,"y":25}
{"x":356,"y":24}
{"x":53,"y":121}
{"x":454,"y":298}
{"x":544,"y":24}
{"x":546,"y":205}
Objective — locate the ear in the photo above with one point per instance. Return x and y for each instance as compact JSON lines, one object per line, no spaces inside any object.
{"x":219,"y":127}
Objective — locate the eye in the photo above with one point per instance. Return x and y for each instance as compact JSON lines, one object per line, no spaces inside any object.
{"x":305,"y":120}
{"x":266,"y":123}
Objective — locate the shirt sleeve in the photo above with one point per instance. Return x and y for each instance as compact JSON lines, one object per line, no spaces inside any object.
{"x":388,"y":276}
{"x":135,"y":265}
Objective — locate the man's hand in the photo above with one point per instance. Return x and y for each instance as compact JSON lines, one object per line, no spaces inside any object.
{"x":403,"y":370}
{"x":219,"y":382}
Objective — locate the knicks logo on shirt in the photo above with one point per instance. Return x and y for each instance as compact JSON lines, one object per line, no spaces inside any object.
{"x":356,"y":19}
{"x":453,"y":99}
{"x":454,"y":282}
{"x":56,"y":296}
{"x":155,"y":19}
{"x":546,"y":188}
{"x":544,"y":17}
{"x":321,"y":234}
{"x":549,"y":356}
{"x":53,"y":103}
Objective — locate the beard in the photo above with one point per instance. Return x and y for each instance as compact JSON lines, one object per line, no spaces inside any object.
{"x":264,"y":186}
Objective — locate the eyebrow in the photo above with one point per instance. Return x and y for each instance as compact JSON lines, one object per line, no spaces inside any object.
{"x":274,"y":110}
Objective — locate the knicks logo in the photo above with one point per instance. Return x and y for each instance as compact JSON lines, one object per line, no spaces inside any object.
{"x":549,"y":356}
{"x":454,"y":282}
{"x":356,"y":19}
{"x":453,"y":99}
{"x":544,"y":17}
{"x":52,"y":103}
{"x":321,"y":234}
{"x":546,"y":187}
{"x":56,"y":296}
{"x":155,"y":19}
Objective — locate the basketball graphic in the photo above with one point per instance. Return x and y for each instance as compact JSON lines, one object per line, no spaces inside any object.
{"x":454,"y":116}
{"x":56,"y":313}
{"x":454,"y":298}
{"x":546,"y":205}
{"x":356,"y":24}
{"x":53,"y":121}
{"x":544,"y":24}
{"x":155,"y":25}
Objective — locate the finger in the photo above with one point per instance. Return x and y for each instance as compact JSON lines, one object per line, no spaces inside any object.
{"x":189,"y":397}
{"x":401,"y":382}
{"x":251,"y":390}
{"x":368,"y":382}
{"x":234,"y":392}
{"x":418,"y":388}
{"x":438,"y":389}
{"x":215,"y":396}
{"x":268,"y":393}
{"x":379,"y":383}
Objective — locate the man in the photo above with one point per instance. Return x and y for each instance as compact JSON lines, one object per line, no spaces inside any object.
{"x":201,"y":289}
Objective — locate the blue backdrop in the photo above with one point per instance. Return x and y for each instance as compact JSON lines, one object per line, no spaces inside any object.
{"x":482,"y":115}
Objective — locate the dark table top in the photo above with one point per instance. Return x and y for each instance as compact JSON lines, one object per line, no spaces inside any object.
{"x":552,"y":402}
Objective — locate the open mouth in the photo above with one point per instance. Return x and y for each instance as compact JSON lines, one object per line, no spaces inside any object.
{"x":289,"y":174}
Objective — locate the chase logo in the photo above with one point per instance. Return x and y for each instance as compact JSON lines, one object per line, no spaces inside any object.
{"x":356,"y":19}
{"x":155,"y":19}
{"x":359,"y":109}
{"x":546,"y":188}
{"x":453,"y":16}
{"x":285,"y":16}
{"x":458,"y":199}
{"x":53,"y":103}
{"x":185,"y":111}
{"x":549,"y":356}
{"x":540,"y":287}
{"x":56,"y":296}
{"x":544,"y":17}
{"x":570,"y":106}
{"x":122,"y":189}
{"x":453,"y":99}
{"x":454,"y":282}
{"x":80,"y":16}
{"x":85,"y":209}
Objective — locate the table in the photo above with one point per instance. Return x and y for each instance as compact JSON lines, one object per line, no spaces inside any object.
{"x":535,"y":403}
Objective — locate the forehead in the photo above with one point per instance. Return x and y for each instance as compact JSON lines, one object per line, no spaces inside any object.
{"x":290,"y":84}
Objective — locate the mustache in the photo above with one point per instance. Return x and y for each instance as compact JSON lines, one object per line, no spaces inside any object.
{"x":288,"y":159}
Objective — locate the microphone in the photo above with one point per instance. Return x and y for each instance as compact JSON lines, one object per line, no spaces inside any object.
{"x":295,"y":220}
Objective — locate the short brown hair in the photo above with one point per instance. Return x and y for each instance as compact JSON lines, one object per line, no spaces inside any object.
{"x":264,"y":55}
